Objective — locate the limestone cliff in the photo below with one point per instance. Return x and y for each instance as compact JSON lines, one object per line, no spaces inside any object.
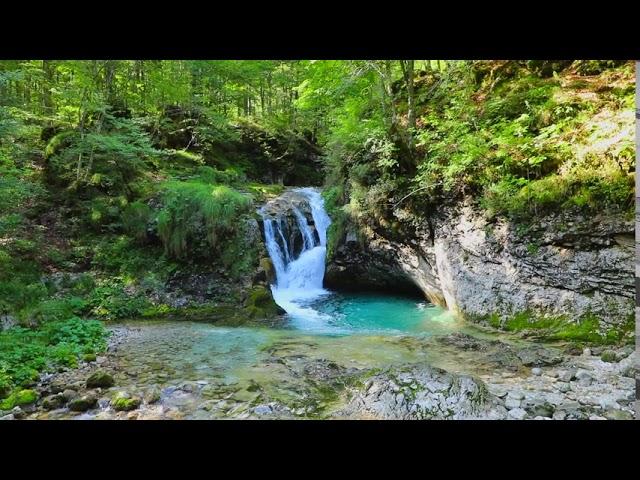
{"x":562,"y":264}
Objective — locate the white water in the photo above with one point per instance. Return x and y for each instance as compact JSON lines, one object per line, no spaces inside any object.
{"x":299,"y":280}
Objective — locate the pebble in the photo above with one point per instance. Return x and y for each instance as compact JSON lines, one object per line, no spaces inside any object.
{"x":586,"y":352}
{"x":536,"y":371}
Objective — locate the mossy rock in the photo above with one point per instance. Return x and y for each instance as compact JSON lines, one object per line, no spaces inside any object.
{"x":609,"y":356}
{"x":83,"y":403}
{"x":20,"y":397}
{"x":100,"y":379}
{"x":260,"y":303}
{"x":123,"y":402}
{"x":267,"y":265}
{"x":89,"y":357}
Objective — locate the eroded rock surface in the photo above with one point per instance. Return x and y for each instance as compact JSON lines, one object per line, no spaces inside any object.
{"x":562,"y":265}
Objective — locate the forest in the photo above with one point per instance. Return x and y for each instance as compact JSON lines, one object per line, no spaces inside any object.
{"x":128,"y":188}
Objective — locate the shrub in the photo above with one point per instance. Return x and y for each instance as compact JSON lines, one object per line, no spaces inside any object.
{"x":199,"y":219}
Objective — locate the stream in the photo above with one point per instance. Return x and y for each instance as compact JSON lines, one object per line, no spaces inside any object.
{"x":329,"y":340}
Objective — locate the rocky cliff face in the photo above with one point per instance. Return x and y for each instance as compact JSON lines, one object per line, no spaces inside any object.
{"x":561,"y":265}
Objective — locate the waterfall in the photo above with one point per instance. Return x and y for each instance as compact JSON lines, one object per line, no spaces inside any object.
{"x":299,"y":280}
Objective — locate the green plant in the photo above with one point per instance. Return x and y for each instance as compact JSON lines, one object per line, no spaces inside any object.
{"x":199,"y":218}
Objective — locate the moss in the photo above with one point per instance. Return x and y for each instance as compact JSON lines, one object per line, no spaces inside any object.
{"x":260,"y":303}
{"x":588,"y":328}
{"x":100,"y":379}
{"x":123,"y":402}
{"x":609,"y":356}
{"x":19,"y":397}
{"x":89,"y":357}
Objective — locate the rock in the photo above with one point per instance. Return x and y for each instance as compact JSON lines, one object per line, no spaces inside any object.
{"x":7,"y":322}
{"x":18,"y":413}
{"x":8,"y":417}
{"x":425,"y":392}
{"x":596,"y":417}
{"x":609,"y":356}
{"x":536,"y":371}
{"x":82,"y":403}
{"x":100,"y":379}
{"x":69,"y":394}
{"x":485,"y":267}
{"x":122,"y":401}
{"x":512,"y":403}
{"x":537,"y":356}
{"x":544,"y":409}
{"x":563,"y":387}
{"x":586,"y":352}
{"x":517,"y":414}
{"x":573,"y":350}
{"x":53,"y":402}
{"x":463,"y":341}
{"x":584,"y":378}
{"x":262,"y":409}
{"x":152,"y":395}
{"x":20,"y":398}
{"x":566,"y":375}
{"x":559,"y":415}
{"x":618,"y":415}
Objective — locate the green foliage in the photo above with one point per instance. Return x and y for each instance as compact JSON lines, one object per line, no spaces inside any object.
{"x":135,"y":220}
{"x":18,"y":398}
{"x":200,"y":218}
{"x":111,"y":300}
{"x":587,"y":329}
{"x":24,"y":353}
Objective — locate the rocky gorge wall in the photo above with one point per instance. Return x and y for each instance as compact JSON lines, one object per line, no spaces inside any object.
{"x":562,"y":265}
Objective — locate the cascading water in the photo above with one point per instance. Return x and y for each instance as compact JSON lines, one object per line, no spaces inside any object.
{"x":299,"y":280}
{"x":297,"y":245}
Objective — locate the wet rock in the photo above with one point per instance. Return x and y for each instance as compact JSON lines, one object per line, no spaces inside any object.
{"x":53,"y":402}
{"x":100,"y":379}
{"x":537,"y":356}
{"x":464,"y":341}
{"x":69,"y":394}
{"x":124,"y":402}
{"x":542,"y":409}
{"x":18,"y":413}
{"x":152,"y":395}
{"x":263,"y":410}
{"x":83,"y":403}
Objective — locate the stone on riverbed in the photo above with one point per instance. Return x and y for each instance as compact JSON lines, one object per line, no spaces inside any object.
{"x":100,"y":379}
{"x":83,"y":403}
{"x":122,"y":401}
{"x":421,"y":393}
{"x":53,"y":402}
